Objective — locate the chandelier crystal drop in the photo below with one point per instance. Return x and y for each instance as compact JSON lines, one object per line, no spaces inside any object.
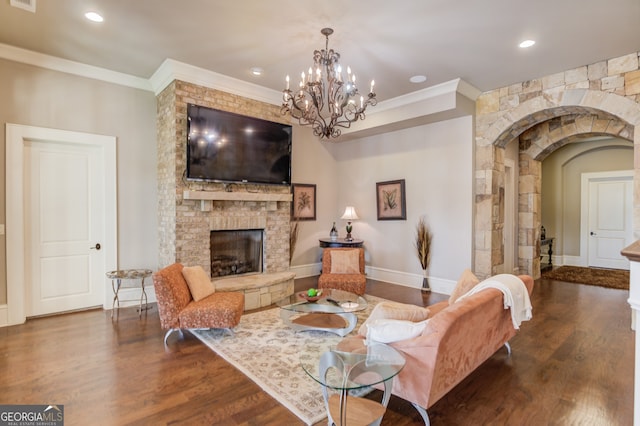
{"x":326,"y":99}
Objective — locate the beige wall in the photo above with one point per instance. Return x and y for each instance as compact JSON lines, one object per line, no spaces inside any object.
{"x":38,"y":97}
{"x":437,"y":164}
{"x":561,"y":186}
{"x":313,"y":163}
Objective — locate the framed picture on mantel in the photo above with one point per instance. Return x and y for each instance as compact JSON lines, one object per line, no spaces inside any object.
{"x":391,"y":202}
{"x":303,"y":205}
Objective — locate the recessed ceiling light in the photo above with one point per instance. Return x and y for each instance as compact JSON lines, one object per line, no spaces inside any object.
{"x":418,"y":79}
{"x":527,"y":43}
{"x":256,"y":71}
{"x":94,"y":16}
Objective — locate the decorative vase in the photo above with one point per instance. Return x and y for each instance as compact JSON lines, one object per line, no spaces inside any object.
{"x":334,"y":232}
{"x":425,"y":281}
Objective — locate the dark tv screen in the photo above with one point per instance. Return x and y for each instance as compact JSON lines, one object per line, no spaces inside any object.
{"x":228,"y":147}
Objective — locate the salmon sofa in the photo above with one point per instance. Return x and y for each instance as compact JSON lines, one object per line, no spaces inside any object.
{"x":458,"y":338}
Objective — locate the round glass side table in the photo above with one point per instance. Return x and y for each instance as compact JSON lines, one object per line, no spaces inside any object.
{"x":348,"y":369}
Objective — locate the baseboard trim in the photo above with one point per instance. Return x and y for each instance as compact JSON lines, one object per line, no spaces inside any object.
{"x":308,"y":270}
{"x":129,"y":297}
{"x":569,"y":261}
{"x":438,"y":285}
{"x":4,"y":316}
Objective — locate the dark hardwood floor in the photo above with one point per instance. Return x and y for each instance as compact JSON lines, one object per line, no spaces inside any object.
{"x":571,"y":365}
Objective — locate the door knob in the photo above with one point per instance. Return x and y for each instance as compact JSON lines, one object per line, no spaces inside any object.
{"x":97,"y":247}
{"x":592,"y":233}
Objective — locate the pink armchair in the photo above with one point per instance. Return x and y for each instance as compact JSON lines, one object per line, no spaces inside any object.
{"x":178,"y":310}
{"x":343,"y":269}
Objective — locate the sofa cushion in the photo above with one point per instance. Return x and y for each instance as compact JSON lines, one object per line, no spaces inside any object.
{"x":345,"y":262}
{"x":395,"y":311}
{"x":199,"y":283}
{"x":466,"y":282}
{"x":391,"y":330}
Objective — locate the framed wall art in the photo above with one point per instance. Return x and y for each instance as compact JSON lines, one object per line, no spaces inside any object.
{"x":391,"y":200}
{"x":303,"y":205}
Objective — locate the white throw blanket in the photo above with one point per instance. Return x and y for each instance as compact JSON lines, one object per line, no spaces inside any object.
{"x":515,"y":294}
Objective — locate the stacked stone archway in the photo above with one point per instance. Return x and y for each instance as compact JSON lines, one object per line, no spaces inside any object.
{"x":541,"y":117}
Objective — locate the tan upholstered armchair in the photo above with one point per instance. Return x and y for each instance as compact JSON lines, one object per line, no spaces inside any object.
{"x":178,"y":310}
{"x":343,"y":269}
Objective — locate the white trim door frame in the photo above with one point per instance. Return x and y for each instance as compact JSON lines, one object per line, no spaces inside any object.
{"x":17,"y":136}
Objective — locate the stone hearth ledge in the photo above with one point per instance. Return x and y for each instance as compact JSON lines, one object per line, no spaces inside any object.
{"x":259,"y":290}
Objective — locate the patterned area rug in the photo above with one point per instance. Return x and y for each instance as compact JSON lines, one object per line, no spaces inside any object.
{"x":610,"y":278}
{"x":267,"y":351}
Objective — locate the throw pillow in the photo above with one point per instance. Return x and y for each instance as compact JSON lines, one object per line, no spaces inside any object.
{"x":345,"y":261}
{"x":466,"y":282}
{"x":396,"y":311}
{"x":390,"y":330}
{"x":199,"y":283}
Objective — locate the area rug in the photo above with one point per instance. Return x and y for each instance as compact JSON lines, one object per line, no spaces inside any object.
{"x":267,"y":351}
{"x":610,"y":278}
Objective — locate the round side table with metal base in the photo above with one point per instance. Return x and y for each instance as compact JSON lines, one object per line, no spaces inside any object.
{"x":129,"y":274}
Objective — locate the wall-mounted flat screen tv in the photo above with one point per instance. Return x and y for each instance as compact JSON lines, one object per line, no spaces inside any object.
{"x":228,"y":147}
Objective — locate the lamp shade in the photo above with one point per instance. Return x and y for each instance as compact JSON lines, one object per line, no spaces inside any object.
{"x":349,"y":213}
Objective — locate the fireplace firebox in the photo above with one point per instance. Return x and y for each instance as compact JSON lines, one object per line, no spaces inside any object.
{"x":236,"y":252}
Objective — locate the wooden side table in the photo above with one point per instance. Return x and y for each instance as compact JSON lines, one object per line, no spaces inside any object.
{"x":128,"y":274}
{"x":340,"y":242}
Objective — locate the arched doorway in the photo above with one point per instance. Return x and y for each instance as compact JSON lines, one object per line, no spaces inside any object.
{"x":539,"y":125}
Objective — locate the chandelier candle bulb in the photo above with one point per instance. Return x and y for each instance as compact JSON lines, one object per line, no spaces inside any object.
{"x":287,"y":82}
{"x":372,"y":83}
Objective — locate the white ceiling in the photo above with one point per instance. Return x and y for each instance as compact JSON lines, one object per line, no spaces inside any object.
{"x":388,"y":41}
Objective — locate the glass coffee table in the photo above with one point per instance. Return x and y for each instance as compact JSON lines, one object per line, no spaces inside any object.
{"x":350,"y":368}
{"x":332,"y":312}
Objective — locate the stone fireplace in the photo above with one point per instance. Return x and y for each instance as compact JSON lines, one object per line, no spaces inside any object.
{"x":188,"y":211}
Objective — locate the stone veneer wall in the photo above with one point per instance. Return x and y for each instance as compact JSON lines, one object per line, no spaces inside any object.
{"x":542,"y":115}
{"x":184,"y":225}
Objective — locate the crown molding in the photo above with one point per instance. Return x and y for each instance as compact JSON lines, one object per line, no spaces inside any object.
{"x":445,"y":101}
{"x":41,"y":60}
{"x":171,"y":70}
{"x":424,"y":105}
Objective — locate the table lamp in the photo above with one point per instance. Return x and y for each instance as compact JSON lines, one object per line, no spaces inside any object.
{"x":349,"y":215}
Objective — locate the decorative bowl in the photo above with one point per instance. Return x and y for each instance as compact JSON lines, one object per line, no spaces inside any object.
{"x":310,"y":299}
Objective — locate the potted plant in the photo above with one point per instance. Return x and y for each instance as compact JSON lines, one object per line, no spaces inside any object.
{"x":423,"y":250}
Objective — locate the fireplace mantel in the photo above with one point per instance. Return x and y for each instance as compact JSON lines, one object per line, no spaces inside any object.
{"x":234,"y":196}
{"x":205,"y":198}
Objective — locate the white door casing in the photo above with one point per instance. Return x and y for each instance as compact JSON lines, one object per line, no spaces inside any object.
{"x":19,"y":140}
{"x":607,"y":218}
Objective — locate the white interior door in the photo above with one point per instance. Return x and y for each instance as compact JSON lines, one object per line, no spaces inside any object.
{"x":62,"y":191}
{"x":66,"y":226}
{"x":610,"y":217}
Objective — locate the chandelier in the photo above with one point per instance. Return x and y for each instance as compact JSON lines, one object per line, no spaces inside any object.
{"x":325,"y":100}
